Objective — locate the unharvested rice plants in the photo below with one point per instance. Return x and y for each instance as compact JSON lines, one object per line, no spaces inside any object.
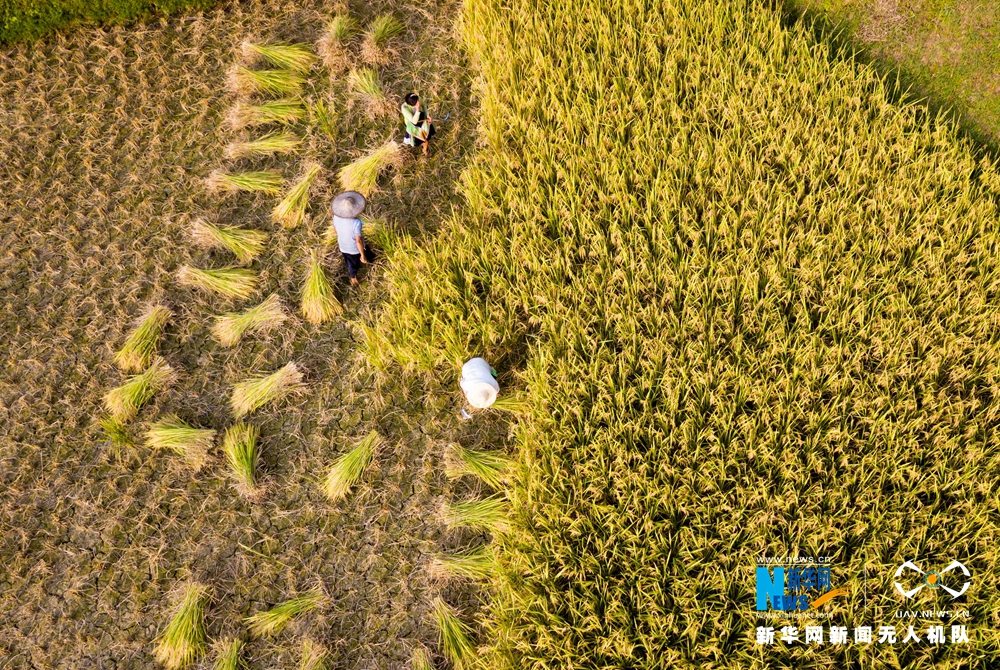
{"x":291,"y":211}
{"x":347,"y":470}
{"x":230,"y":328}
{"x":182,"y":438}
{"x":125,"y":401}
{"x":319,"y":304}
{"x":140,"y":345}
{"x":362,"y":175}
{"x":295,"y":57}
{"x":751,"y":297}
{"x":256,"y":392}
{"x":243,"y":243}
{"x":271,"y":622}
{"x":184,"y":639}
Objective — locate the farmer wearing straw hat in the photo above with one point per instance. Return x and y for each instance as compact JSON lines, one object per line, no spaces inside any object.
{"x":346,"y":208}
{"x":419,"y":127}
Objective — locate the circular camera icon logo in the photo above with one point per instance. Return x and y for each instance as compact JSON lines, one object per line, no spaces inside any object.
{"x":932,"y":579}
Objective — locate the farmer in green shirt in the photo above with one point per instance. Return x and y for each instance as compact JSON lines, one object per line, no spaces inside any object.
{"x":419,"y":127}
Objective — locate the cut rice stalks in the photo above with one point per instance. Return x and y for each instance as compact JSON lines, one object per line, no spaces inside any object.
{"x":453,"y":634}
{"x":184,"y":639}
{"x":243,"y":81}
{"x":367,"y":88}
{"x":227,"y":654}
{"x":420,"y":659}
{"x":238,"y":283}
{"x":480,"y":515}
{"x":125,"y":401}
{"x":256,"y":392}
{"x":295,"y":57}
{"x":182,"y":438}
{"x":362,"y":175}
{"x":274,"y":620}
{"x":347,"y":470}
{"x":378,"y":34}
{"x":292,"y":209}
{"x":230,"y":328}
{"x":331,"y":46}
{"x":319,"y":304}
{"x":492,"y":467}
{"x":243,"y":243}
{"x":282,"y":142}
{"x":263,"y":181}
{"x":140,"y":345}
{"x":285,"y":111}
{"x":239,"y":444}
{"x":314,"y":656}
{"x":475,"y":564}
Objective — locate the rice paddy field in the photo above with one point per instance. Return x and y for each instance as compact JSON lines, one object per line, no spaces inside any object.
{"x":747,"y":296}
{"x":109,"y":137}
{"x":740,"y":294}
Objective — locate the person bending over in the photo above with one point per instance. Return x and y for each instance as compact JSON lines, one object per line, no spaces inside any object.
{"x":419,"y":127}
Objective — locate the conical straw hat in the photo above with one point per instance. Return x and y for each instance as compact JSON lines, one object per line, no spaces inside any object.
{"x":348,"y":204}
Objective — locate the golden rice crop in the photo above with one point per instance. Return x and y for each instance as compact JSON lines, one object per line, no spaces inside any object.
{"x":284,"y":111}
{"x":331,"y":46}
{"x":263,"y":181}
{"x":292,"y":209}
{"x":347,"y":470}
{"x":230,"y":328}
{"x":295,"y":57}
{"x":366,"y":87}
{"x":363,"y":173}
{"x":319,"y":304}
{"x":261,"y":390}
{"x":182,"y":438}
{"x":238,"y":283}
{"x":274,"y":620}
{"x":125,"y":401}
{"x":281,"y":142}
{"x":140,"y":345}
{"x":184,"y":639}
{"x":702,"y":289}
{"x":383,"y":29}
{"x":244,"y":81}
{"x":245,"y":244}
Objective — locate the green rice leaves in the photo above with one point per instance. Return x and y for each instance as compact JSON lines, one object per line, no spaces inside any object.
{"x":348,"y":468}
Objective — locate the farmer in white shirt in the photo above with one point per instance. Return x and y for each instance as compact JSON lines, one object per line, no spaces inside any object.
{"x":346,"y":208}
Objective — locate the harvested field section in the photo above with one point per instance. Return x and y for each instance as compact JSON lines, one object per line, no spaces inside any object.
{"x":107,"y":138}
{"x":755,"y":305}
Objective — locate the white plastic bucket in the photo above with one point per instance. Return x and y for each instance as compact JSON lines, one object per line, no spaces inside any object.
{"x":478,"y":384}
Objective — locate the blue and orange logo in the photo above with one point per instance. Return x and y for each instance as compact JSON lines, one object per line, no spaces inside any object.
{"x":794,"y":588}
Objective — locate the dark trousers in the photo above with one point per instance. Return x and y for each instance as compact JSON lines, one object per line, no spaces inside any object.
{"x":353,"y":261}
